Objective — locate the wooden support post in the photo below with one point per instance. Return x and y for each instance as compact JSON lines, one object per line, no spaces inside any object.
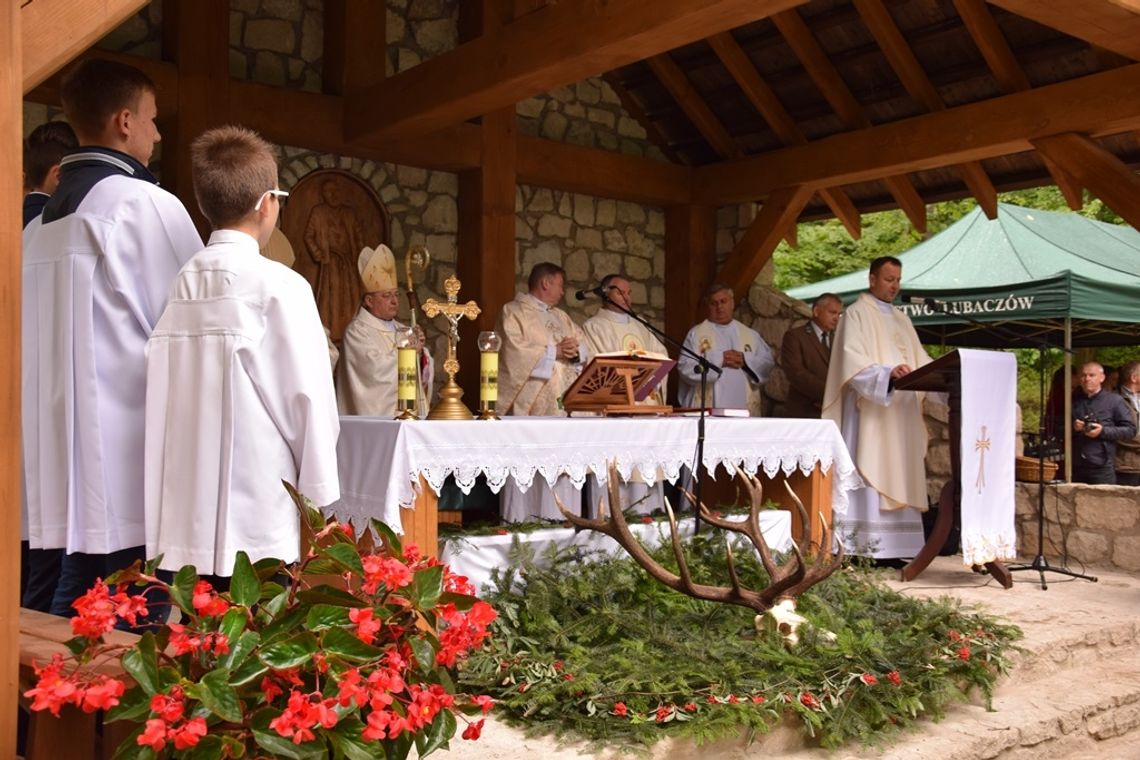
{"x":690,"y":255}
{"x":354,"y":51}
{"x":196,"y":39}
{"x":11,"y":169}
{"x":780,"y":209}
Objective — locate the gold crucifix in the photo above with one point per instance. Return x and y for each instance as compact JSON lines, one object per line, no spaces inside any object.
{"x":981,"y":445}
{"x":449,"y":406}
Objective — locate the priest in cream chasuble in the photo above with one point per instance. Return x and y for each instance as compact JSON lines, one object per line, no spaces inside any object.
{"x":543,"y":352}
{"x":884,"y":430}
{"x":612,"y":330}
{"x":366,"y":372}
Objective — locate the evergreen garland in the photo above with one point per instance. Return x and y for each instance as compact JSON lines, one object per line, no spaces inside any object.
{"x":600,"y":650}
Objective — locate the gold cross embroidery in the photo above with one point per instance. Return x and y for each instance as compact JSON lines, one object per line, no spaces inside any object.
{"x":981,"y":445}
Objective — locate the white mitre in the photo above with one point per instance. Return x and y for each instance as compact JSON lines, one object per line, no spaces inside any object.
{"x":377,"y":268}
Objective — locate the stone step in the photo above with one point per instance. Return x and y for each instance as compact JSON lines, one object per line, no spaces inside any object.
{"x":1071,"y":649}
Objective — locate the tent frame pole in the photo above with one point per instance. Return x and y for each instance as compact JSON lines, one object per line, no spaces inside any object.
{"x":1068,"y":400}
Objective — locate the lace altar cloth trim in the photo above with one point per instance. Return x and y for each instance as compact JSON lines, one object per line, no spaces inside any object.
{"x":381,"y":461}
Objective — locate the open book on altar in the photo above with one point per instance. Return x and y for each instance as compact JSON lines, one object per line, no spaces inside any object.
{"x":613,"y":383}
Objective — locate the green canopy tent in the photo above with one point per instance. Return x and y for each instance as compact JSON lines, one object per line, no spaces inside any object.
{"x":1041,"y":276}
{"x":1029,"y":277}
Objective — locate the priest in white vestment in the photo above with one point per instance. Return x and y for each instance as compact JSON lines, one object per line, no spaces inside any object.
{"x":543,"y":352}
{"x":238,"y":395}
{"x":366,"y":373}
{"x":743,"y":356}
{"x":97,"y":268}
{"x":612,"y":330}
{"x":885,"y":432}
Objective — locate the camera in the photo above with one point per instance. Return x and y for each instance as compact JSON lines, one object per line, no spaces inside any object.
{"x":1088,"y":419}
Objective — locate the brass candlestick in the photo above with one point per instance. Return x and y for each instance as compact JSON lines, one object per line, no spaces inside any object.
{"x":489,"y":345}
{"x":449,"y":407}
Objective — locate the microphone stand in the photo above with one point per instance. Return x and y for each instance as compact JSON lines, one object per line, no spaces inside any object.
{"x":705,"y":365}
{"x":1039,"y":564}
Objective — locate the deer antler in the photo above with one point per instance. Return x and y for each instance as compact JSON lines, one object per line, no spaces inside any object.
{"x":787,"y":580}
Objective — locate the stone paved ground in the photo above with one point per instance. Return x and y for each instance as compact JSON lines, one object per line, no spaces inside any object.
{"x":1075,"y":694}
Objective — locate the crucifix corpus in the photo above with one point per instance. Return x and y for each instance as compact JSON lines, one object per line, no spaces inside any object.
{"x":449,"y":407}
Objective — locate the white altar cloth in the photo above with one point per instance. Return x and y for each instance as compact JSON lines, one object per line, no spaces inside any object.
{"x":476,"y":556}
{"x":382,"y":460}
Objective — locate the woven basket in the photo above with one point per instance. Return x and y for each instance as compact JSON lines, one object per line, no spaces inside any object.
{"x":1027,"y":468}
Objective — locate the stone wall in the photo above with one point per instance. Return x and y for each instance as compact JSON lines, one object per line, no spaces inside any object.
{"x":1097,"y":526}
{"x":277,"y":42}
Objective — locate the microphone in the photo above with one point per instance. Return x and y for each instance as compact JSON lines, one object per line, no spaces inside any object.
{"x":598,"y":291}
{"x":933,"y":303}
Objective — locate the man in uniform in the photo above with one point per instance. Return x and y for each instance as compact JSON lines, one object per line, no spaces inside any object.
{"x":743,"y":356}
{"x":805,"y":355}
{"x":543,"y":351}
{"x":366,"y":372}
{"x":875,"y":345}
{"x":98,"y":265}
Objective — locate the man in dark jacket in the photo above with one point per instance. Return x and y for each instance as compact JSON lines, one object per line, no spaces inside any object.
{"x":804,"y":356}
{"x":1100,"y":419}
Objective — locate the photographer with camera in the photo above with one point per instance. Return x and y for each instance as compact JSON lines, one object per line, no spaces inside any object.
{"x":1100,"y":419}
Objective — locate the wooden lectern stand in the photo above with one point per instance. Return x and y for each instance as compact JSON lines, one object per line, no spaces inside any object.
{"x":945,"y":375}
{"x":614,"y":383}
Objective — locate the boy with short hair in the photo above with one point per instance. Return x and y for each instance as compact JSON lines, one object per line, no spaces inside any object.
{"x":239,"y":395}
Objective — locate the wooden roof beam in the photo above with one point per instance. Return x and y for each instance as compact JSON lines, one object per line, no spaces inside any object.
{"x":1098,"y":104}
{"x":1105,"y":175}
{"x":353,"y":60}
{"x":757,"y":91}
{"x":780,"y":210}
{"x":1105,"y":23}
{"x":980,"y":24}
{"x":826,"y":77}
{"x":552,"y":46}
{"x":52,"y":37}
{"x":694,"y":106}
{"x":910,"y":72}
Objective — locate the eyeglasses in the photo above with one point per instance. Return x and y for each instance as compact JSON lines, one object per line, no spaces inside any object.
{"x":281,"y":195}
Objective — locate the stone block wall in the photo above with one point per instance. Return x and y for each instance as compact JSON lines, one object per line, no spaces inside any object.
{"x":1098,"y":526}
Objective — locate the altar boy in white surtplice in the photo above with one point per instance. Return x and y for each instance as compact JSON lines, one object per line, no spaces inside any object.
{"x":239,"y":396}
{"x":612,"y":330}
{"x":543,"y":351}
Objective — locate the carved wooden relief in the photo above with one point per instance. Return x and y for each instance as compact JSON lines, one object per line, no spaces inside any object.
{"x":331,"y":215}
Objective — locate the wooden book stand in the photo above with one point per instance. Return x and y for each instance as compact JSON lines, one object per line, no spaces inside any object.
{"x":613,"y":383}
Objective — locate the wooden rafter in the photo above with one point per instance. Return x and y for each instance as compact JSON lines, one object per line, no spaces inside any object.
{"x":353,"y":60}
{"x":674,"y":80}
{"x":53,"y":34}
{"x":1104,"y":23}
{"x":1100,"y":104}
{"x":914,"y":79}
{"x":825,"y":76}
{"x":755,"y":248}
{"x":1007,"y":71}
{"x":634,"y":109}
{"x":553,"y":46}
{"x":1105,"y":175}
{"x":761,"y":96}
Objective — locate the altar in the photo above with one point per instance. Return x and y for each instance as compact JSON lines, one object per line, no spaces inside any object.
{"x":393,"y":471}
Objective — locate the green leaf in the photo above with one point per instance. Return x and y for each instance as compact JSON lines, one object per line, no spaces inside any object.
{"x":325,"y":594}
{"x":182,"y":590}
{"x":439,"y":733}
{"x":344,"y":644}
{"x":217,"y":695}
{"x":346,"y":739}
{"x":427,"y":586}
{"x":279,"y":746}
{"x":141,"y":663}
{"x":129,"y":749}
{"x":267,"y":568}
{"x":252,"y":670}
{"x":323,"y":616}
{"x":462,"y":602}
{"x":77,"y":645}
{"x":390,"y":538}
{"x":291,"y":652}
{"x":245,"y":588}
{"x":309,"y":514}
{"x":424,"y":653}
{"x":133,"y":706}
{"x":239,"y":650}
{"x":234,"y":622}
{"x":283,"y":626}
{"x":207,"y":748}
{"x":346,"y":556}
